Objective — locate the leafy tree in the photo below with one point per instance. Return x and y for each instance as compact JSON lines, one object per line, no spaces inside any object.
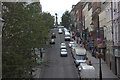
{"x":66,"y":19}
{"x":25,"y":29}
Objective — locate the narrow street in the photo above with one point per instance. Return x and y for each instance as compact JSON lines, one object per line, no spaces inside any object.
{"x":58,"y":67}
{"x":60,"y":39}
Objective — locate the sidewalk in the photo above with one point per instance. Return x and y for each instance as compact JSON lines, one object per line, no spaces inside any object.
{"x":38,"y":68}
{"x":106,"y":72}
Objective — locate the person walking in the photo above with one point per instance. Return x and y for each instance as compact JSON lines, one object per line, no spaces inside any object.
{"x":74,"y":37}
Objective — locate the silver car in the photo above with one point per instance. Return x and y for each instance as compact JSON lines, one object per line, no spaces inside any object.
{"x":60,"y":31}
{"x":63,"y":46}
{"x":63,"y":52}
{"x":71,"y":43}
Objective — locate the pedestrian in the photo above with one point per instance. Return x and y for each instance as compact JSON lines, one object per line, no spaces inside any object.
{"x":93,"y":50}
{"x":90,"y":62}
{"x":74,"y":37}
{"x":80,"y":44}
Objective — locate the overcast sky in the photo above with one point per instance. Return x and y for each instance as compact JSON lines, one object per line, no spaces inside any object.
{"x":57,"y":6}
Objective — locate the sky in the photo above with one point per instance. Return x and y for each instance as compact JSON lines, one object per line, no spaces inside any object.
{"x":57,"y":6}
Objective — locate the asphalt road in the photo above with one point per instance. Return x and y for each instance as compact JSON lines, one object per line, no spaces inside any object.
{"x":58,"y":67}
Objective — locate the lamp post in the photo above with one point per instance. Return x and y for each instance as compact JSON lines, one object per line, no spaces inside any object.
{"x":1,"y":25}
{"x":99,"y":54}
{"x":92,"y":41}
{"x":99,"y":51}
{"x":56,"y":20}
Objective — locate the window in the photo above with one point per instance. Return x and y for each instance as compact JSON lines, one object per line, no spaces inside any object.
{"x":89,"y":6}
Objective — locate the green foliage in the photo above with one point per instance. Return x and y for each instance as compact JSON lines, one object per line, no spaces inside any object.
{"x":66,"y":19}
{"x":25,"y":28}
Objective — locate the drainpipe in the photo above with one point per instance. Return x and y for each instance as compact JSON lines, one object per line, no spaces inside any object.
{"x":114,"y":61}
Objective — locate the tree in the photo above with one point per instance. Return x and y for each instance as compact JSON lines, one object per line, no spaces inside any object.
{"x":66,"y":19}
{"x":25,"y":29}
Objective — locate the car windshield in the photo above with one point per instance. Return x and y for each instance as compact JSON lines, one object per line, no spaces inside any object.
{"x":80,"y":57}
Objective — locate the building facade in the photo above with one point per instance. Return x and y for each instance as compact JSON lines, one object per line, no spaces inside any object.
{"x":116,"y":36}
{"x":109,"y":37}
{"x":95,"y":18}
{"x":102,"y":26}
{"x":105,"y":17}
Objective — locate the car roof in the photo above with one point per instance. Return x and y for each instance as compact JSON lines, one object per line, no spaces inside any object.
{"x":83,"y":64}
{"x":80,"y":51}
{"x":88,"y":67}
{"x":71,"y":42}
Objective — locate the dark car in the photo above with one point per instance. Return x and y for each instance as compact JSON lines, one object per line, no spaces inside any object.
{"x":53,"y":35}
{"x":52,"y":41}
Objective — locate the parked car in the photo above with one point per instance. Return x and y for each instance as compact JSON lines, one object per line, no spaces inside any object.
{"x":52,"y":41}
{"x":67,"y":38}
{"x":71,"y":43}
{"x":63,"y":52}
{"x":65,"y":29}
{"x":73,"y":47}
{"x":63,"y":46}
{"x":53,"y":35}
{"x":60,"y":31}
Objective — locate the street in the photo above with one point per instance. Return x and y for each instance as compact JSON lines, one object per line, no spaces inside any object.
{"x":58,"y":67}
{"x":52,"y":39}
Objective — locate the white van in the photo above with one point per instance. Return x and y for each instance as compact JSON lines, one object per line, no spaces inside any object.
{"x":87,"y":72}
{"x":67,"y":33}
{"x":80,"y":55}
{"x":67,"y":36}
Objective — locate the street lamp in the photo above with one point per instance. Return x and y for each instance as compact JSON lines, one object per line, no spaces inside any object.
{"x":99,"y":55}
{"x":99,"y":52}
{"x":1,"y":25}
{"x":56,"y":19}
